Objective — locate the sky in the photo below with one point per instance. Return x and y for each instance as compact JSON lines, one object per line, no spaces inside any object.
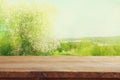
{"x":85,"y":18}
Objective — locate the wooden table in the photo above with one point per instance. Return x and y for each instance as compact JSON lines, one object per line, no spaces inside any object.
{"x":59,"y":68}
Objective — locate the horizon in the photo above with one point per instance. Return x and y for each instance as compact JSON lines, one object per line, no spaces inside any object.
{"x":89,"y":37}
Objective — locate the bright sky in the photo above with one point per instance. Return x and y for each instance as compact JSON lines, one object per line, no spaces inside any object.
{"x":86,"y":18}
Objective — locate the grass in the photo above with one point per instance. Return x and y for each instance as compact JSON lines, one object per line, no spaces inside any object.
{"x":98,"y":46}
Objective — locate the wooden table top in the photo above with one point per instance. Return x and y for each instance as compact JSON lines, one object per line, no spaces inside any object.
{"x":70,"y":64}
{"x":67,"y":64}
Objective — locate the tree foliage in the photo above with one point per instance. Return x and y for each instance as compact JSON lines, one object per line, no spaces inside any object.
{"x":29,"y":28}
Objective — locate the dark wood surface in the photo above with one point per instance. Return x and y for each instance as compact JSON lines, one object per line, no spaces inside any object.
{"x":59,"y":68}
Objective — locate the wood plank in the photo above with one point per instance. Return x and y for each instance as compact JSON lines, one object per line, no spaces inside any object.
{"x":60,"y":67}
{"x":70,"y":64}
{"x":17,"y":79}
{"x":82,"y":79}
{"x":58,"y":58}
{"x":55,"y":79}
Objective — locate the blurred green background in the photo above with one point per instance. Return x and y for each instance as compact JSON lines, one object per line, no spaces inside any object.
{"x":31,"y":29}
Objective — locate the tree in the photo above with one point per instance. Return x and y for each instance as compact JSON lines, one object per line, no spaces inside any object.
{"x":29,"y":27}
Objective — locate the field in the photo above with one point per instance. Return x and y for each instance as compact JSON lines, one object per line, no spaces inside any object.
{"x":91,"y":46}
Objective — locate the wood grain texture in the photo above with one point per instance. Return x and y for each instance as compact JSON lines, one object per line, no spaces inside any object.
{"x":81,"y":79}
{"x":17,"y":79}
{"x":55,"y":79}
{"x":59,"y":68}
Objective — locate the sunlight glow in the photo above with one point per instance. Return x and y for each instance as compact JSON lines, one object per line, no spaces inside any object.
{"x":84,"y":18}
